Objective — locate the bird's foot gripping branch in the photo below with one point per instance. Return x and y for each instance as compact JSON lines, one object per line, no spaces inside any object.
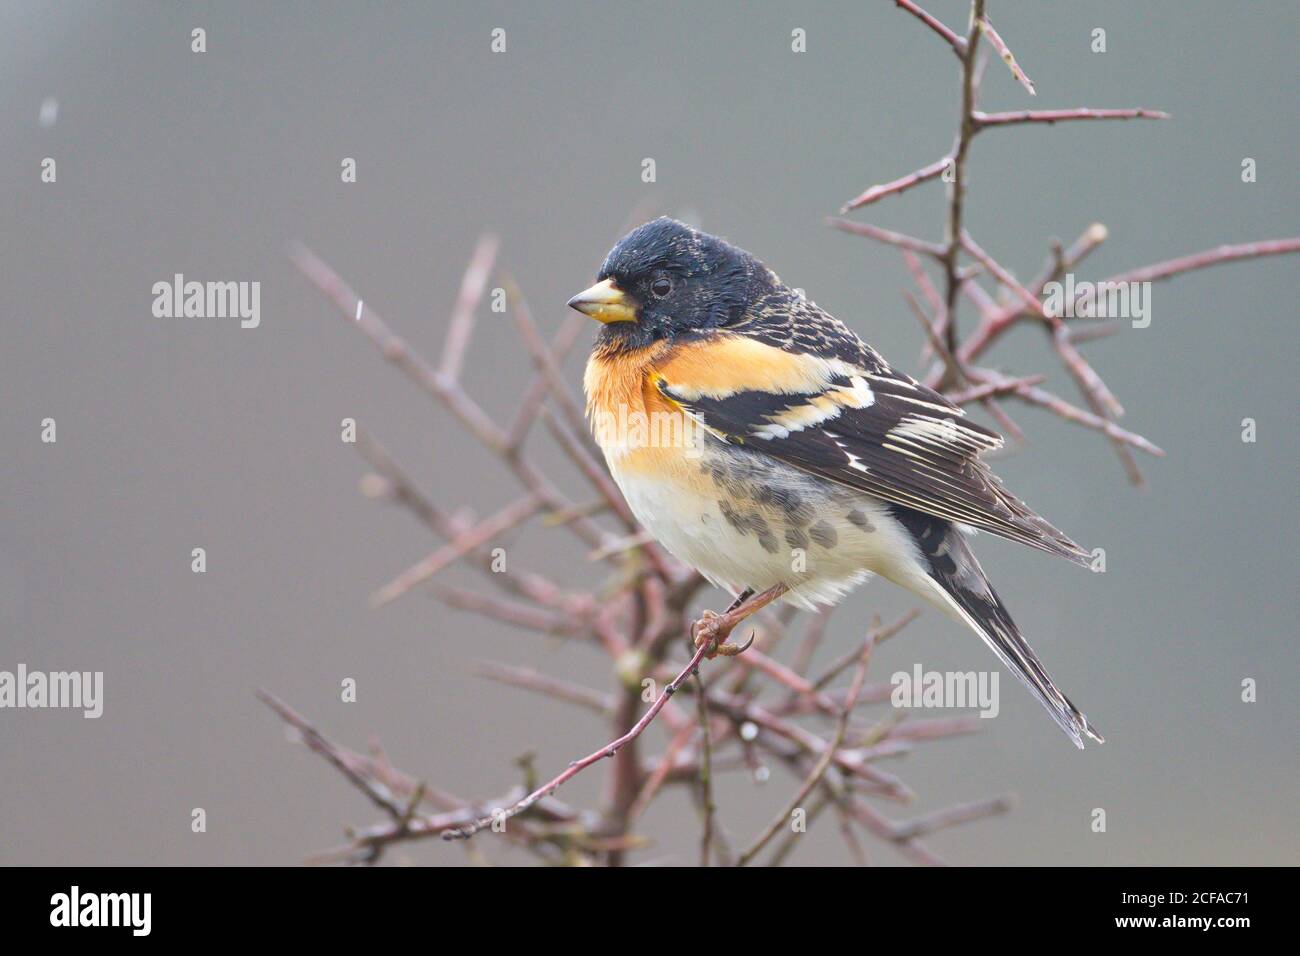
{"x":711,"y":630}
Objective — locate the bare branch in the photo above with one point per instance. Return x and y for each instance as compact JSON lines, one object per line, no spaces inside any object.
{"x":1003,"y":51}
{"x":508,"y":517}
{"x":876,"y":193}
{"x":993,"y":388}
{"x":545,"y":685}
{"x":823,"y":763}
{"x":1021,"y":117}
{"x":1071,"y":413}
{"x":472,"y":285}
{"x":728,"y":620}
{"x":1210,"y":257}
{"x":544,"y":359}
{"x":708,"y":809}
{"x":957,"y":188}
{"x":953,"y":40}
{"x":379,"y":794}
{"x":932,"y":249}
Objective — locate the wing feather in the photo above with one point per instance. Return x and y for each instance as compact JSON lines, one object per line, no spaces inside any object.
{"x":848,"y":417}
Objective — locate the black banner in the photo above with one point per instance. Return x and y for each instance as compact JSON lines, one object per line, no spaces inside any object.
{"x":332,"y":905}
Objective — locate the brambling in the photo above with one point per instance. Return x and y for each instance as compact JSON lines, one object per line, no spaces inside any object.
{"x":760,"y":441}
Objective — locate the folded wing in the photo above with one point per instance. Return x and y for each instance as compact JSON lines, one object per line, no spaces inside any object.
{"x":847,"y":416}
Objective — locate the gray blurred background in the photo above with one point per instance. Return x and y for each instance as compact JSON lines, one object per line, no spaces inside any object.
{"x":183,"y":433}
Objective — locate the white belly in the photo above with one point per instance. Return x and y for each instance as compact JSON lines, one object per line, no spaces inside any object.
{"x":745,"y":520}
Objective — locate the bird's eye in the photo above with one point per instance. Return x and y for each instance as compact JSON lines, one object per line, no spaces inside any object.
{"x":661,"y":287}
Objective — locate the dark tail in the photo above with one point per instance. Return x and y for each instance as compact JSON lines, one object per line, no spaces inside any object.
{"x":961,"y":579}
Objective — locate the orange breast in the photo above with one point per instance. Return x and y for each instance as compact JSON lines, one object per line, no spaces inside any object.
{"x":639,"y":430}
{"x":617,"y":380}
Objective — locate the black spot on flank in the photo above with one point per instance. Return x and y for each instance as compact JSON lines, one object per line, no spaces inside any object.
{"x":734,"y":518}
{"x":796,"y":538}
{"x":747,"y":523}
{"x":859,"y":520}
{"x":823,"y":534}
{"x":732,"y":480}
{"x":796,"y":509}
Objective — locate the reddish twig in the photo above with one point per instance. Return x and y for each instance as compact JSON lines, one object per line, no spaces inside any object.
{"x":876,"y":193}
{"x":989,"y":389}
{"x":823,"y":763}
{"x":953,"y":40}
{"x":539,"y":683}
{"x":472,"y":285}
{"x":575,"y":768}
{"x":723,"y":625}
{"x":1003,"y":50}
{"x":931,"y":249}
{"x":508,"y":517}
{"x":1210,"y":257}
{"x":953,"y":227}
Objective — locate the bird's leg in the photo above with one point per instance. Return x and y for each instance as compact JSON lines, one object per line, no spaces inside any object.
{"x":741,"y":598}
{"x":709,"y":619}
{"x":713,"y":629}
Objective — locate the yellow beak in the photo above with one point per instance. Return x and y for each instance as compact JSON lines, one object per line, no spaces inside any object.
{"x":604,"y":302}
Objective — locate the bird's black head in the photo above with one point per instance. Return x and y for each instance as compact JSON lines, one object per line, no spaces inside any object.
{"x":665,"y":280}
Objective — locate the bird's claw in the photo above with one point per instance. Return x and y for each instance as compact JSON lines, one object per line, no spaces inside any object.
{"x":732,"y":650}
{"x":708,"y":631}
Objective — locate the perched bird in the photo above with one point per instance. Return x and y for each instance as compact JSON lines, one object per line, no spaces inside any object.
{"x":760,"y":441}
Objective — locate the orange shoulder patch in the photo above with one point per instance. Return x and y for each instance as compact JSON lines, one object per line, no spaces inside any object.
{"x":721,"y":367}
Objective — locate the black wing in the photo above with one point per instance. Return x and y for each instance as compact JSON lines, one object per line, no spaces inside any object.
{"x":854,"y":420}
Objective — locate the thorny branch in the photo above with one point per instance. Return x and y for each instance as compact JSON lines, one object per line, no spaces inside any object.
{"x":644,"y":610}
{"x":955,"y":371}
